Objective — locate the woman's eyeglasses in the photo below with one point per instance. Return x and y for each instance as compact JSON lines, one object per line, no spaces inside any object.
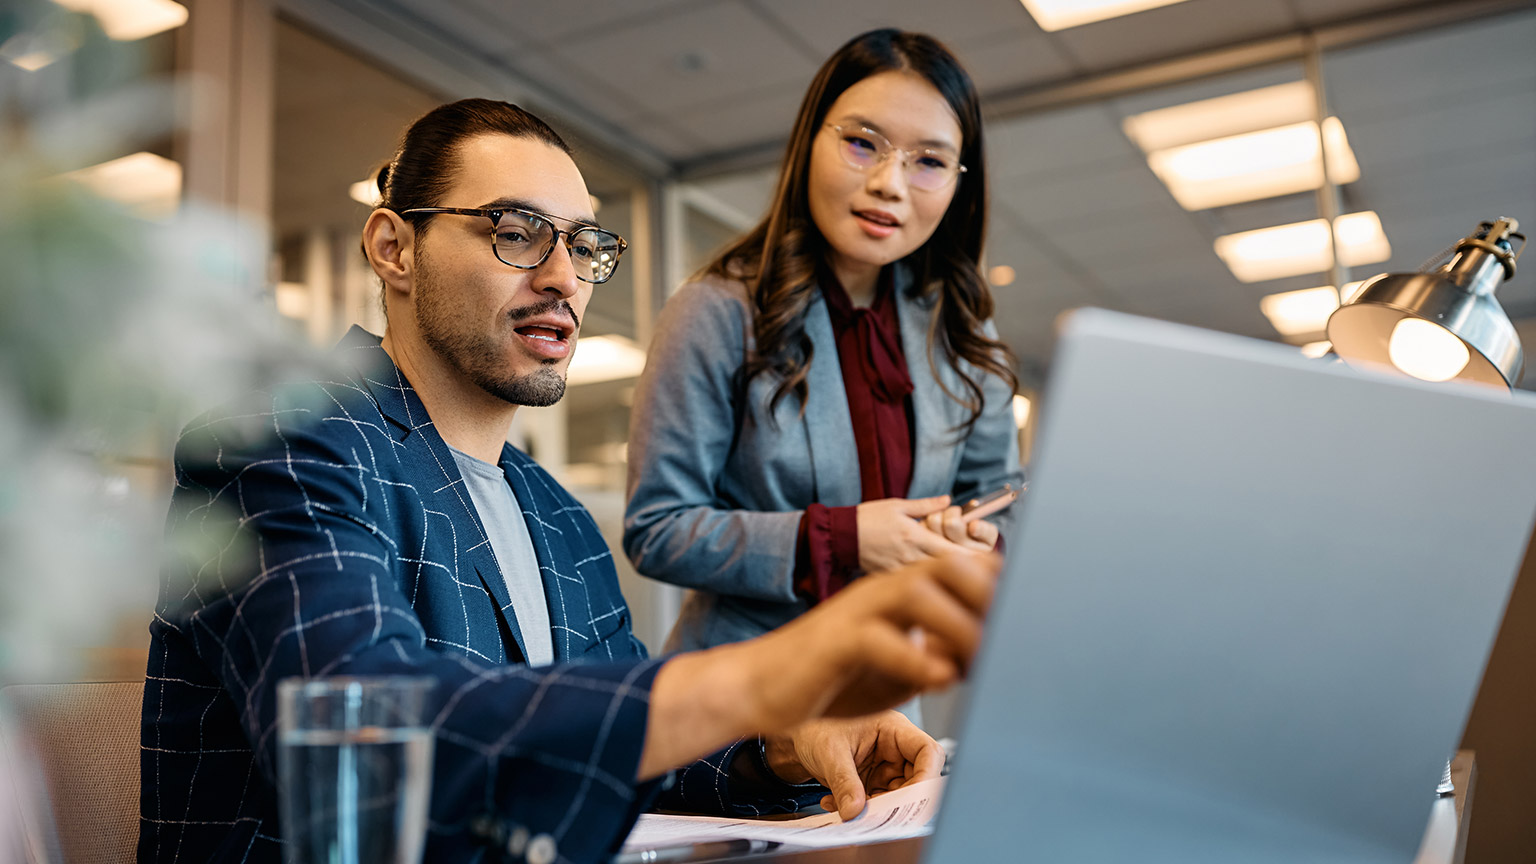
{"x":926,"y":168}
{"x":524,"y":239}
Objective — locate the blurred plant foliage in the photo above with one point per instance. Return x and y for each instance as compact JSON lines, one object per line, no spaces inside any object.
{"x":114,"y":330}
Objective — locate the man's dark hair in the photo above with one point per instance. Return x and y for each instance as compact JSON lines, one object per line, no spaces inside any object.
{"x":428,"y":156}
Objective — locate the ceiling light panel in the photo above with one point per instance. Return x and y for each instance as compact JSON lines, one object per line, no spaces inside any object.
{"x":1054,"y":15}
{"x":127,"y":20}
{"x":147,"y":183}
{"x":1224,"y":116}
{"x":1254,"y":165}
{"x":1300,"y":312}
{"x":605,"y":358}
{"x":1302,"y":247}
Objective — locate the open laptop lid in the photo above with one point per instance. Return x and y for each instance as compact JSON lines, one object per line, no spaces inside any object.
{"x":1246,"y":606}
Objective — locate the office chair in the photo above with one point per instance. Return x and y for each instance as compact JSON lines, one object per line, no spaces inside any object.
{"x":82,"y":740}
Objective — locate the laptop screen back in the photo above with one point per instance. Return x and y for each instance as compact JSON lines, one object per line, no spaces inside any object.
{"x":1246,"y":607}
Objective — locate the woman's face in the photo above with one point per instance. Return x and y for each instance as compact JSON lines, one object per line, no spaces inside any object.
{"x":874,"y":216}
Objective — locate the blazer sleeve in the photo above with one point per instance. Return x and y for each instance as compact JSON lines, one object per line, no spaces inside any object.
{"x":989,"y":456}
{"x":676,"y":527}
{"x":291,"y":570}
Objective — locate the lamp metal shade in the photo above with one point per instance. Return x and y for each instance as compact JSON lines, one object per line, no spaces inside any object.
{"x":1457,"y":299}
{"x":1362,"y":329}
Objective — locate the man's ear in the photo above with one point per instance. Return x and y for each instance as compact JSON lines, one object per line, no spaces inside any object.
{"x":390,"y":243}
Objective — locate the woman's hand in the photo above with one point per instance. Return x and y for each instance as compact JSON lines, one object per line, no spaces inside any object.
{"x":966,"y":530}
{"x":892,"y":533}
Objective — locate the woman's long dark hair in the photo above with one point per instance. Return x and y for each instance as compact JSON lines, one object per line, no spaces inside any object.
{"x":778,"y":259}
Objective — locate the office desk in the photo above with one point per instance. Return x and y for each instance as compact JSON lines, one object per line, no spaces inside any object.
{"x":1445,"y":838}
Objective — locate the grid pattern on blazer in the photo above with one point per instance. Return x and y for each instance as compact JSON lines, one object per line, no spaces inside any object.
{"x":325,"y":530}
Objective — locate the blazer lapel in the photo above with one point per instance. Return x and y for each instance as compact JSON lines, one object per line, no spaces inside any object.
{"x":933,"y":413}
{"x":413,"y":431}
{"x":828,"y":425}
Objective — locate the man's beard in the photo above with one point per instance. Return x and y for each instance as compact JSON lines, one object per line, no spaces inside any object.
{"x":476,"y":354}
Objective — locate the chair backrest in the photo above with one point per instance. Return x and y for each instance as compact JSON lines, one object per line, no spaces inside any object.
{"x":84,"y":741}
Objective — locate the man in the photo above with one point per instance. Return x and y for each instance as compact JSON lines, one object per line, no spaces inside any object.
{"x":378,"y":523}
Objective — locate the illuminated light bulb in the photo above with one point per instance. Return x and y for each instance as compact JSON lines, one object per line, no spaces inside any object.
{"x":1426,"y":350}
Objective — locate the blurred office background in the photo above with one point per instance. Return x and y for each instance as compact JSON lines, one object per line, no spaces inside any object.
{"x":1107,"y":188}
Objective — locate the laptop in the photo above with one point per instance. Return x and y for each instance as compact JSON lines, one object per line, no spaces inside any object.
{"x":1247,"y":605}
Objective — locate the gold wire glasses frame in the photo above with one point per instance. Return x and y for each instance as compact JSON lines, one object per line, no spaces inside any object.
{"x":523,"y":239}
{"x":926,"y":168}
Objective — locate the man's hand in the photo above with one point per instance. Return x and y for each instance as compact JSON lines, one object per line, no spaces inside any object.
{"x":871,"y":646}
{"x":855,"y":758}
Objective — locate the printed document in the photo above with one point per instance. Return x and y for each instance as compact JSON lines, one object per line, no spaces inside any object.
{"x":905,"y":812}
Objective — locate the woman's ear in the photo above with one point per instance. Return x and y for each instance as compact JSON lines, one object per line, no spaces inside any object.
{"x":389,"y":242}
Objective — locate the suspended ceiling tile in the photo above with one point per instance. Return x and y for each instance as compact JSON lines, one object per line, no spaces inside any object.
{"x":825,"y":26}
{"x":740,"y":121}
{"x":578,"y":86}
{"x":545,"y":22}
{"x":664,"y":135}
{"x":1485,"y":59}
{"x":1057,"y":142}
{"x":1088,"y":191}
{"x":1439,"y":135}
{"x":1267,"y":213}
{"x":1464,"y":183}
{"x":700,"y":56}
{"x":1169,"y":31}
{"x":1012,"y":61}
{"x":1318,"y":12}
{"x":1155,"y":227}
{"x":477,"y":25}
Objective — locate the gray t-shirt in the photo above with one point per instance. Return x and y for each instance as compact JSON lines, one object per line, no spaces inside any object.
{"x":508,"y":531}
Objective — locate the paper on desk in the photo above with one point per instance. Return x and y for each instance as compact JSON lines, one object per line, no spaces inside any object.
{"x":905,"y":812}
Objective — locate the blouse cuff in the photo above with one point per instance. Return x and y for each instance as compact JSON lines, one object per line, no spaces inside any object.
{"x":826,"y":551}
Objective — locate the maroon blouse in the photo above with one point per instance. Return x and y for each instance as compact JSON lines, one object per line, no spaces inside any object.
{"x":880,"y":404}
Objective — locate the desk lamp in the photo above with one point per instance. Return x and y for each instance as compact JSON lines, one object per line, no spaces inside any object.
{"x":1440,"y":325}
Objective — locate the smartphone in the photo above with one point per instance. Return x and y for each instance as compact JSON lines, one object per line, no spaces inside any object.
{"x":986,"y":505}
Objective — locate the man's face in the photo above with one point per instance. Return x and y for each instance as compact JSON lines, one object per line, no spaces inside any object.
{"x":510,"y":332}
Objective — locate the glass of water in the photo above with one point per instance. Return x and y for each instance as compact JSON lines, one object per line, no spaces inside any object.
{"x":354,"y":769}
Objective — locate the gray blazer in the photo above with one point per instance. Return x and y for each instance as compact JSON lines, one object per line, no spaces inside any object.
{"x":718,"y":511}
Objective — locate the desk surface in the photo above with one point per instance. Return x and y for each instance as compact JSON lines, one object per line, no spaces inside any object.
{"x":1445,"y":838}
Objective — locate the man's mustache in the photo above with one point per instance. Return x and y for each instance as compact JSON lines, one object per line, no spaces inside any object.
{"x":551,"y":305}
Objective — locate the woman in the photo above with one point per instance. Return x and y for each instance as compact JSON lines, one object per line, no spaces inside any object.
{"x":816,"y":399}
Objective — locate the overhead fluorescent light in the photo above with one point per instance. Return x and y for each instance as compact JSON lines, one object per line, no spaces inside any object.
{"x":605,"y":358}
{"x":1221,"y":117}
{"x":366,"y":192}
{"x":33,"y":51}
{"x":148,"y":184}
{"x":1020,"y":411}
{"x":127,"y":20}
{"x":293,"y":300}
{"x":1299,"y":312}
{"x":1254,"y":165}
{"x":1053,"y":15}
{"x":1302,"y":247}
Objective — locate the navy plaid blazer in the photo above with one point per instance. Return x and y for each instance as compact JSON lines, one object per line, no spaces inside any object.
{"x":325,"y":530}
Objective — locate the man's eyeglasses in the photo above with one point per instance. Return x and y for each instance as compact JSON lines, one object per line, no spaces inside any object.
{"x":927,"y":168}
{"x":524,"y":239}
